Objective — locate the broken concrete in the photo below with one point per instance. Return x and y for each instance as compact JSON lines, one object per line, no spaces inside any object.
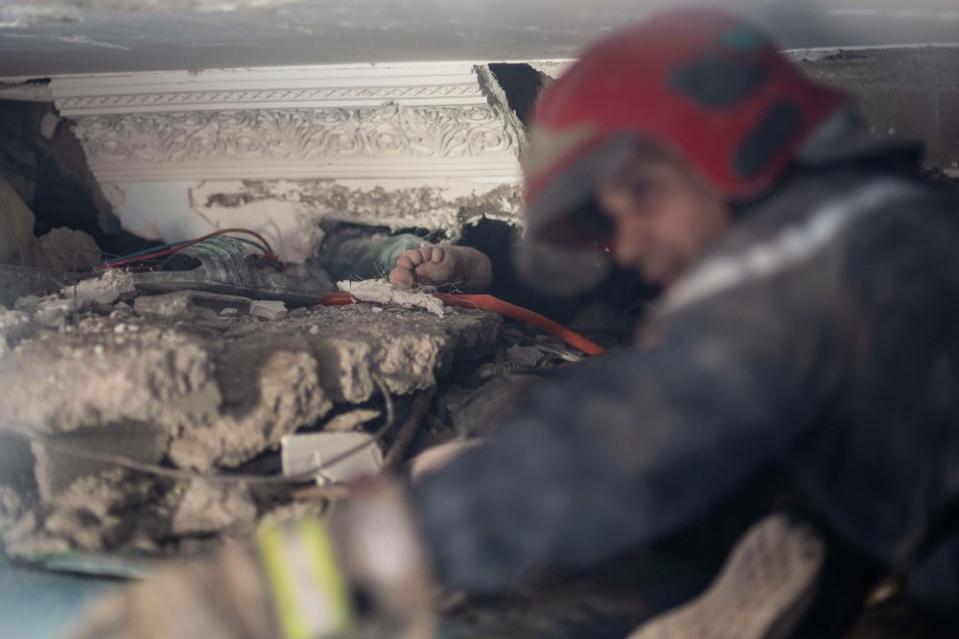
{"x":103,"y":290}
{"x":290,"y":396}
{"x":201,"y":395}
{"x":100,"y":291}
{"x":268,"y":309}
{"x":382,"y":292}
{"x":13,"y":326}
{"x":207,"y":507}
{"x":288,"y":212}
{"x":56,"y":471}
{"x":64,"y":249}
{"x":187,"y":305}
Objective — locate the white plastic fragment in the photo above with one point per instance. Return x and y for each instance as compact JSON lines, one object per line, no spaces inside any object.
{"x":304,"y":454}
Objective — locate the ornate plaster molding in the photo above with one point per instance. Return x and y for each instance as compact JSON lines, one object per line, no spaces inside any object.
{"x":238,"y":98}
{"x":391,"y":140}
{"x":418,"y":121}
{"x":443,"y":83}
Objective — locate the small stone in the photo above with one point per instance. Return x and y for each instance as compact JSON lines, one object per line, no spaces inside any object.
{"x":48,"y":125}
{"x":229,"y":311}
{"x":13,"y":324}
{"x":52,"y":312}
{"x":268,"y":309}
{"x":185,"y":305}
{"x":314,"y":330}
{"x":211,"y":508}
{"x":382,"y":292}
{"x":103,"y":290}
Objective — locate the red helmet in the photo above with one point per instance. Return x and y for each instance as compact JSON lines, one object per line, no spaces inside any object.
{"x":699,"y":83}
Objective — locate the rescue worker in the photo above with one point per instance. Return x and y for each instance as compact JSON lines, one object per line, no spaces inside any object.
{"x":809,"y":327}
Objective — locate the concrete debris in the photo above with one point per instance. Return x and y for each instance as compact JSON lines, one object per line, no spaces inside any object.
{"x":187,"y":305}
{"x":13,"y":326}
{"x":214,"y":508}
{"x":268,"y":309}
{"x":350,"y":420}
{"x":202,"y":395}
{"x":27,"y":303}
{"x":107,"y":510}
{"x":403,"y":348}
{"x":382,"y":292}
{"x":91,"y":377}
{"x":64,"y":249}
{"x":290,"y":396}
{"x":52,"y":311}
{"x":19,"y":524}
{"x":56,"y":470}
{"x":303,"y":455}
{"x":296,"y":207}
{"x":103,"y":290}
{"x":221,"y":403}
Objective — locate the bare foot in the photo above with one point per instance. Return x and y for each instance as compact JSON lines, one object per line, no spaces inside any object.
{"x":429,"y":265}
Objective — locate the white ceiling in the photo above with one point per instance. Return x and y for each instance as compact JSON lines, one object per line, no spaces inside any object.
{"x":46,"y":37}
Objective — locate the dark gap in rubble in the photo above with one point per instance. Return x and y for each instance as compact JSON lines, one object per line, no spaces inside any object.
{"x":497,"y":239}
{"x":522,"y":84}
{"x":45,"y":164}
{"x":16,"y":467}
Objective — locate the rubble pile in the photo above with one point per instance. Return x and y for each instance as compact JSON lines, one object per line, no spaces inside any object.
{"x":110,"y":387}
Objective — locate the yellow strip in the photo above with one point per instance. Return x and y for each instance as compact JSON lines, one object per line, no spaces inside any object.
{"x":270,"y":542}
{"x":323,"y":565}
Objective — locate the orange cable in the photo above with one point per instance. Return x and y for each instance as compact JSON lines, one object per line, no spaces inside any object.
{"x":500,"y":307}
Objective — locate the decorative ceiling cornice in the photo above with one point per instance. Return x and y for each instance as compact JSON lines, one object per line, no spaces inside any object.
{"x":406,"y":120}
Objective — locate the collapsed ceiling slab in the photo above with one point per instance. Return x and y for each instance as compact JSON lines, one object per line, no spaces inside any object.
{"x":81,"y":36}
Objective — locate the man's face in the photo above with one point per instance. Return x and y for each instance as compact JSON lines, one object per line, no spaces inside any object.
{"x":664,"y":217}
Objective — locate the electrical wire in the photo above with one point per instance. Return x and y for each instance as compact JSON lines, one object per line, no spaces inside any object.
{"x":493,"y":304}
{"x":65,"y":448}
{"x":166,"y":250}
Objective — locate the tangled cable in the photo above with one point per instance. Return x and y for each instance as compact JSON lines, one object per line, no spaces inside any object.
{"x":166,"y":250}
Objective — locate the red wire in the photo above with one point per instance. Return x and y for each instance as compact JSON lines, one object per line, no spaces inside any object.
{"x":495,"y":305}
{"x":270,"y":255}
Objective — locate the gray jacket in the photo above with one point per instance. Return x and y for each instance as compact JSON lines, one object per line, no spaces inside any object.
{"x":820,"y":336}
